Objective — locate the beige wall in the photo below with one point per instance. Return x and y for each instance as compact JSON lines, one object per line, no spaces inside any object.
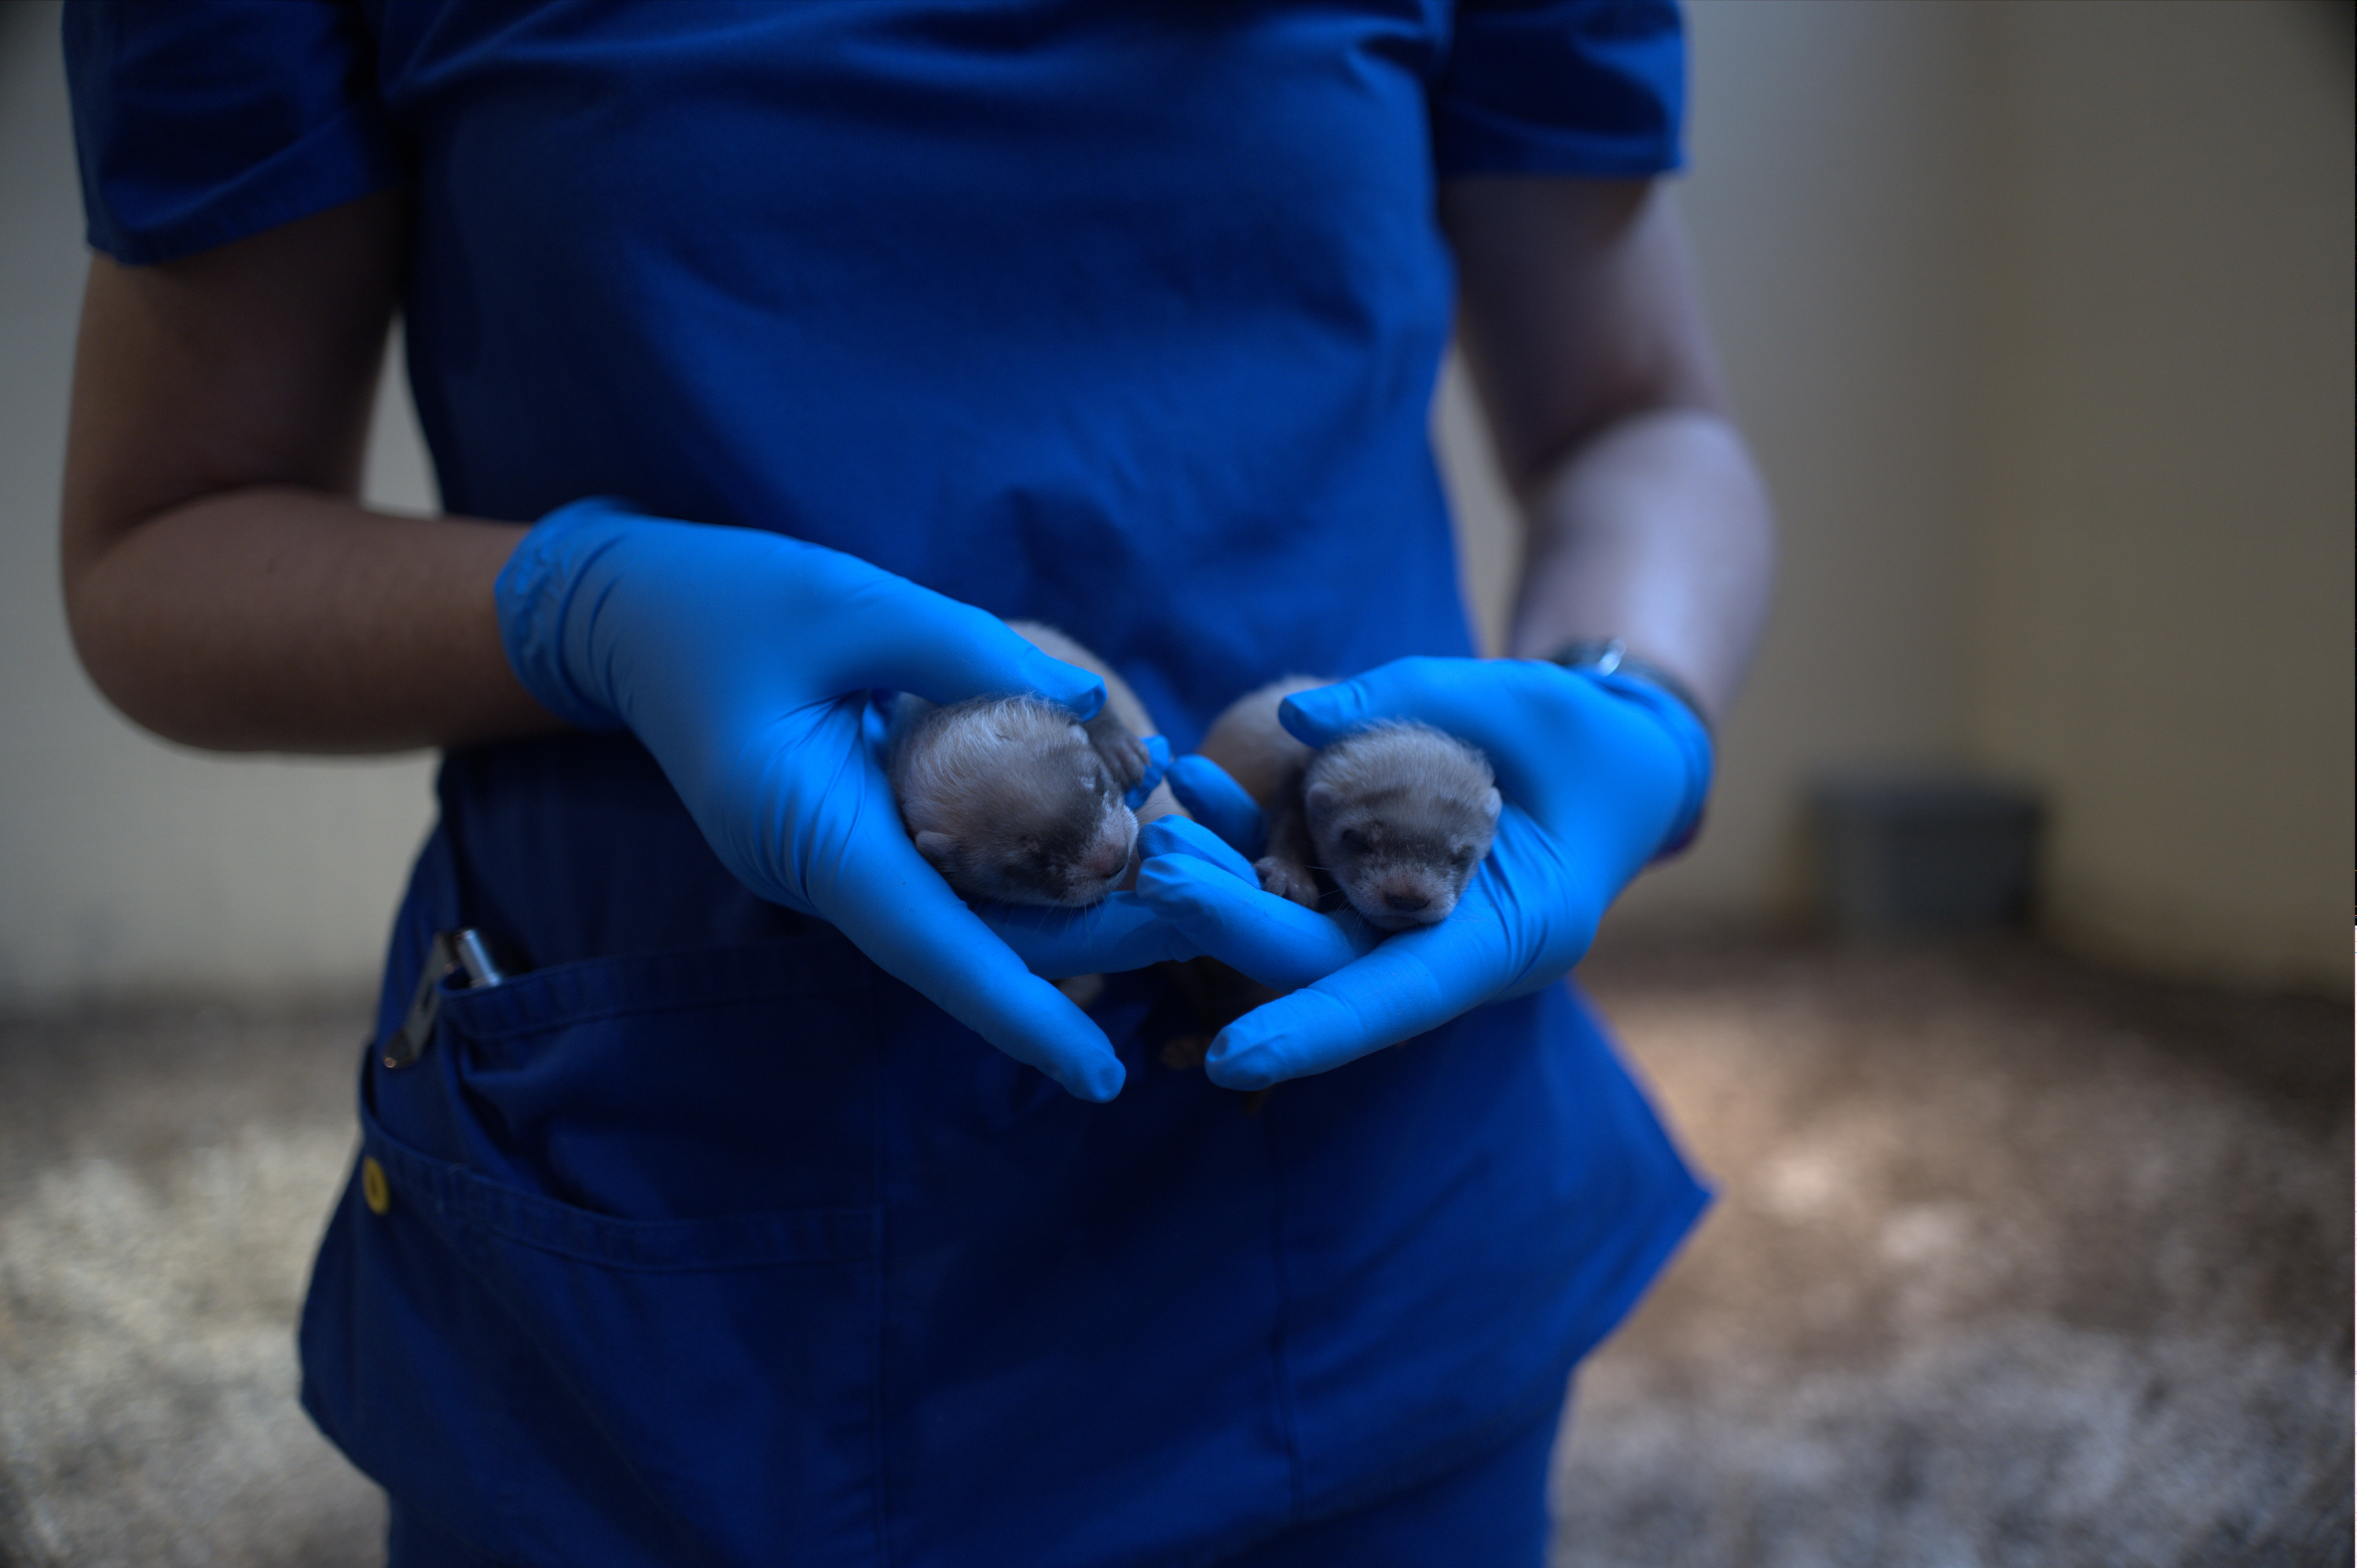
{"x":2039,"y":314}
{"x":126,"y":863}
{"x":2039,"y":319}
{"x":2167,"y":608}
{"x":1836,"y":200}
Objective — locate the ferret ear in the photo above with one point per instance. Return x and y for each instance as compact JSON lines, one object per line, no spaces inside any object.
{"x":940,"y":850}
{"x":1491,"y":804}
{"x":1321,"y":798}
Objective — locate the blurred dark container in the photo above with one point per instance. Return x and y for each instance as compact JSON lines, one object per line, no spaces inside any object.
{"x":1925,"y":853}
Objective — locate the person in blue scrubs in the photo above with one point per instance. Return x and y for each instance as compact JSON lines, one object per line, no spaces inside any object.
{"x":773,"y":1207}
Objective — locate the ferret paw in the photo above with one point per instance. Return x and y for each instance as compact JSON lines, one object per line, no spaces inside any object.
{"x":1125,"y":755}
{"x":1185,"y":1053}
{"x":1288,"y":879}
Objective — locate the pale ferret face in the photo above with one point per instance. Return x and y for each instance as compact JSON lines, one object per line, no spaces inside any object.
{"x":1010,"y":802}
{"x":1400,"y":816}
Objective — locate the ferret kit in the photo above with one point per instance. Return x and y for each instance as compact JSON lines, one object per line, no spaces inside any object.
{"x":1020,"y":801}
{"x":1393,"y":819}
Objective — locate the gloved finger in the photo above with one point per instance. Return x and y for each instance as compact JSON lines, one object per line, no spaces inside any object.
{"x":1480,"y":699}
{"x":1117,"y":934}
{"x":1538,"y":725}
{"x":1184,"y":836}
{"x":1403,"y":689}
{"x":1219,"y":802}
{"x":1414,"y":983}
{"x":879,"y":892}
{"x":1539,"y":899}
{"x":888,"y":632}
{"x":1158,"y":763}
{"x":1125,"y":931}
{"x":1273,"y":939}
{"x":981,"y":983}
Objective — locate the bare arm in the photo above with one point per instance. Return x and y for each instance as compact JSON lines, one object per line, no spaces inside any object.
{"x":224,"y":587}
{"x":1647,"y":520}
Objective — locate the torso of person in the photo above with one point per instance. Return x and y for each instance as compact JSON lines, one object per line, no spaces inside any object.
{"x":700,"y":1234}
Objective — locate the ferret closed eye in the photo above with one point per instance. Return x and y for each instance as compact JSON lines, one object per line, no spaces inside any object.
{"x":1018,"y":800}
{"x":1396,"y":817}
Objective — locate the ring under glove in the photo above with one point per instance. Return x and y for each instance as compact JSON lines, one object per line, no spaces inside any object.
{"x":743,"y":660}
{"x":1600,"y":773}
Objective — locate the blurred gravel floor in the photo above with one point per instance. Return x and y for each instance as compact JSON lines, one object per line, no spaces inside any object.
{"x":2015,"y":1262}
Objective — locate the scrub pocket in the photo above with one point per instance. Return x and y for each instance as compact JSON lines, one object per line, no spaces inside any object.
{"x":605,"y":1285}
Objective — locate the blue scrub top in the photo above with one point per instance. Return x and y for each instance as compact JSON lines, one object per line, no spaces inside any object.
{"x":702,"y":1235}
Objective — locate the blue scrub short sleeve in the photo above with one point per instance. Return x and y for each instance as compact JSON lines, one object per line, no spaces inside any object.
{"x":200,"y":122}
{"x":1571,"y":86}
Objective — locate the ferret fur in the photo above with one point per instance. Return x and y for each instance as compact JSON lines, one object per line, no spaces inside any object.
{"x":1016,"y":800}
{"x":1396,"y":816}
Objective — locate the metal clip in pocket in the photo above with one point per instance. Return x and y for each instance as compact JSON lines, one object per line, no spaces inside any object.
{"x":475,"y":959}
{"x":451,"y":950}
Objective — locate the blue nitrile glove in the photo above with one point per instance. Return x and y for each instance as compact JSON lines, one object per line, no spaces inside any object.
{"x":1220,"y":803}
{"x":1122,"y":931}
{"x":1191,"y":879}
{"x":1600,"y":773}
{"x":1118,"y":933}
{"x":743,"y":660}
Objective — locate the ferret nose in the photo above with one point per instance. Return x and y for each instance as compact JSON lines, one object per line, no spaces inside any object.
{"x":1406,"y":903}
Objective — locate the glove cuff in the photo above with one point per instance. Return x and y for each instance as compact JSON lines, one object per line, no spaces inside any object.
{"x":1686,"y":731}
{"x":536,"y":593}
{"x":1610,"y":655}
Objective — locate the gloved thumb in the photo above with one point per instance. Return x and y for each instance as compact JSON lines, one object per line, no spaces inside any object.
{"x":909,"y":638}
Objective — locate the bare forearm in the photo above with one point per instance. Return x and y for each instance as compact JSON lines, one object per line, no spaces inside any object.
{"x":1657,"y":530}
{"x":223,"y":586}
{"x":278,"y":618}
{"x":1646,"y":520}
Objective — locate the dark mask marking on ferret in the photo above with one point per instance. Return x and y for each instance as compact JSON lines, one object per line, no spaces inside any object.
{"x":1399,"y":816}
{"x":1393,"y":819}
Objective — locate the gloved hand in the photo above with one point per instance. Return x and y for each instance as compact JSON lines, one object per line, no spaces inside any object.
{"x":1116,"y":933}
{"x":1122,"y":931}
{"x":1600,"y":773}
{"x":743,"y":660}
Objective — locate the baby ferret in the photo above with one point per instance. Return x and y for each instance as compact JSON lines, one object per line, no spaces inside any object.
{"x":1397,"y":815}
{"x":1018,"y":801}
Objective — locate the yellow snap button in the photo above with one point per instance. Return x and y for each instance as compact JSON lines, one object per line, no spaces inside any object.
{"x":373,"y":1186}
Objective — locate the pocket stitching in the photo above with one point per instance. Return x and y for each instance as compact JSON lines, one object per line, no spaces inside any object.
{"x":540,"y":993}
{"x":787,"y":1238}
